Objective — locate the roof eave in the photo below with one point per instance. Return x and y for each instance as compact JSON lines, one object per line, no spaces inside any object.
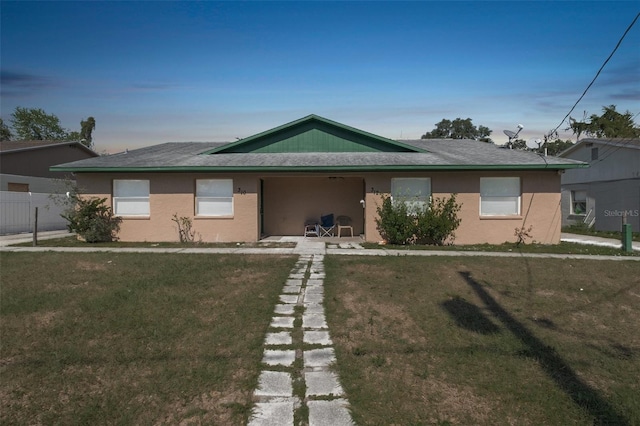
{"x":366,"y":168}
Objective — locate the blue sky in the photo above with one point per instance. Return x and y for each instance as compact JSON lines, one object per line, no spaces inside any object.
{"x":152,"y":72}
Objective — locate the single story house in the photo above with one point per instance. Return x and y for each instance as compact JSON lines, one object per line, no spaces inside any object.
{"x":24,"y":165}
{"x":608,"y":190}
{"x":272,"y":183}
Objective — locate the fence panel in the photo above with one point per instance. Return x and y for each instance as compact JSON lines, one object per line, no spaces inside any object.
{"x":17,"y":211}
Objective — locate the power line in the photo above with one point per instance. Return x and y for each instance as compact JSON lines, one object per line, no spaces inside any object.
{"x":597,"y":74}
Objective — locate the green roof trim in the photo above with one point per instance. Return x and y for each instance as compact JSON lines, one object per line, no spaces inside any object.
{"x":367,"y":168}
{"x":313,"y":134}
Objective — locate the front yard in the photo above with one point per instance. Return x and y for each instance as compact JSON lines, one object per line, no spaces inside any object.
{"x":126,"y":338}
{"x":133,"y":338}
{"x":486,"y":341}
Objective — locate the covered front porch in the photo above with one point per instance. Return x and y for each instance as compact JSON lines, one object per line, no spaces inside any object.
{"x":287,"y":203}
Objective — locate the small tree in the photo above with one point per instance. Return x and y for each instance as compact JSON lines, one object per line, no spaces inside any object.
{"x":91,"y":219}
{"x":432,"y":223}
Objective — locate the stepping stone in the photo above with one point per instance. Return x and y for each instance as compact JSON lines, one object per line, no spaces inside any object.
{"x":282,"y":322}
{"x":319,"y":357}
{"x":317,"y":338}
{"x":280,"y":338}
{"x":274,"y":383}
{"x":285,"y":309}
{"x":312,"y":298}
{"x":291,"y":289}
{"x":273,"y":414}
{"x":296,"y":276}
{"x":316,"y":276}
{"x":322,"y":383}
{"x":325,"y":413}
{"x":314,"y":321}
{"x":289,"y":299}
{"x":294,"y":282}
{"x":277,"y":357}
{"x":316,"y":289}
{"x":314,"y":283}
{"x":314,"y":308}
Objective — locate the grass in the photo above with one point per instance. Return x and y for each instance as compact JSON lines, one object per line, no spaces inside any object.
{"x":74,"y":242}
{"x":133,"y":338}
{"x":562,"y":248}
{"x":470,"y":341}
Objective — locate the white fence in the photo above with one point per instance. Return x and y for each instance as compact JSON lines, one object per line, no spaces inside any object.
{"x":17,"y":213}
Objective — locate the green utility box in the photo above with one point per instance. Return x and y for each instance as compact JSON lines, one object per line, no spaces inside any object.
{"x":627,"y":246}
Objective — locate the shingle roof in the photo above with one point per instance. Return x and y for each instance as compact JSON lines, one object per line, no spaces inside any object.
{"x":631,"y":143}
{"x":18,"y":146}
{"x":289,"y":148}
{"x":441,"y":154}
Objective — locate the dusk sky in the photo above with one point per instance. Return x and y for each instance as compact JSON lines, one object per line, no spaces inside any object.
{"x":154,"y":72}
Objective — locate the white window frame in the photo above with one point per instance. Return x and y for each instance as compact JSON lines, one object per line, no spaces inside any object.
{"x":582,"y":200}
{"x":500,"y":196}
{"x":214,"y":198}
{"x":404,"y":190}
{"x":131,"y":197}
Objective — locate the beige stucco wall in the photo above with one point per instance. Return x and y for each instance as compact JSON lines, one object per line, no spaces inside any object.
{"x":174,"y":193}
{"x":540,"y":205}
{"x":291,"y":199}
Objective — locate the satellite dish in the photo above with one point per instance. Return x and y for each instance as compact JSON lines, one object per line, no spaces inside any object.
{"x":534,"y":143}
{"x":510,"y":134}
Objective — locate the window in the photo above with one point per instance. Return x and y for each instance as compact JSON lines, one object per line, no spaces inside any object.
{"x":499,"y":196}
{"x":214,"y":197}
{"x":594,"y":154}
{"x":18,"y":187}
{"x":131,"y":197}
{"x":578,"y":202}
{"x":414,"y":192}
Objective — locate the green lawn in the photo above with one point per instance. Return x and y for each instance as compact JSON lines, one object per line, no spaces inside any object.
{"x":133,"y":338}
{"x":486,"y":341}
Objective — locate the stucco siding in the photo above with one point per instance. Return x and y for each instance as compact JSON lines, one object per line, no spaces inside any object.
{"x":290,"y":200}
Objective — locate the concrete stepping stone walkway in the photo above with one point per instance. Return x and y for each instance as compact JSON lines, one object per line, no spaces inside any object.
{"x":297,"y":385}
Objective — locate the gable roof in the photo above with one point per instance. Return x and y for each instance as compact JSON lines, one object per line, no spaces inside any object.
{"x":630,"y":143}
{"x":313,"y":134}
{"x":315,"y":144}
{"x":10,"y":147}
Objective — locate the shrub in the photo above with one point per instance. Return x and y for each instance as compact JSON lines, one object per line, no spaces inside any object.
{"x":432,"y":224}
{"x":394,"y":222}
{"x":185,"y":231}
{"x":91,"y":219}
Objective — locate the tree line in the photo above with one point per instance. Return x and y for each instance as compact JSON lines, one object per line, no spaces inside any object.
{"x":611,"y":124}
{"x":34,"y":124}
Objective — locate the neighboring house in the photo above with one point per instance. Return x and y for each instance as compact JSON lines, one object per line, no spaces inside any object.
{"x":24,"y":165}
{"x":273,"y":182}
{"x":26,"y":183}
{"x":609,"y":189}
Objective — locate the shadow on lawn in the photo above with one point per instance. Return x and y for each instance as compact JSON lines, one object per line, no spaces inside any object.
{"x":555,"y":367}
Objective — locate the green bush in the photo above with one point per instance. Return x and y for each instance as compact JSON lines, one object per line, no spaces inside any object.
{"x":91,"y":219}
{"x":430,"y":224}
